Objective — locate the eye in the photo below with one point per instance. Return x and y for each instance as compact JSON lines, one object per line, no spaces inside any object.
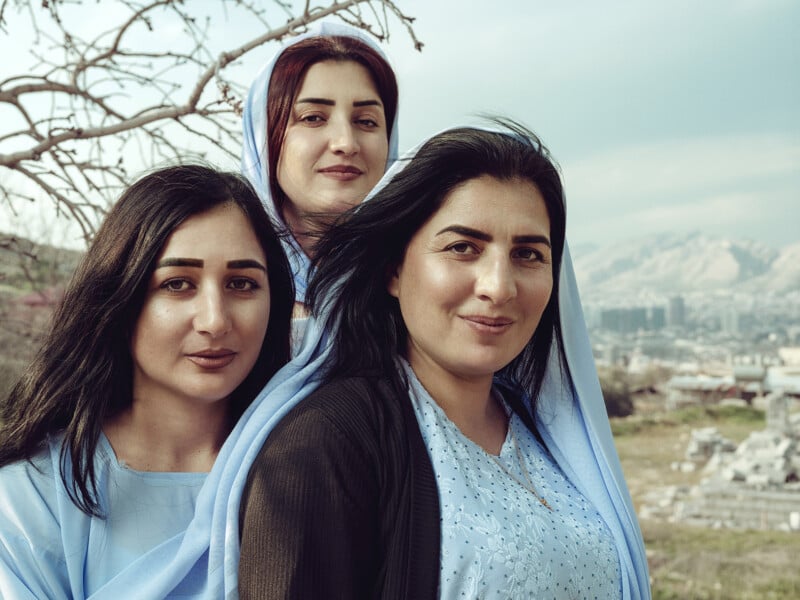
{"x":176,"y":285}
{"x":311,"y":119}
{"x":368,"y":123}
{"x":243,"y":284}
{"x":527,"y":254}
{"x":462,"y":248}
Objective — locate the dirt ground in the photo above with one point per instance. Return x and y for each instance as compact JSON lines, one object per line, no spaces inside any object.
{"x":690,"y":562}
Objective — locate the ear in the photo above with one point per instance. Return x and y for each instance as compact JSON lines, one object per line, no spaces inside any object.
{"x":393,"y":281}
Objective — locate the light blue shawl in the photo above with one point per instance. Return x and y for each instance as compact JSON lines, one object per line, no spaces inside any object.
{"x":255,"y":166}
{"x":575,"y":428}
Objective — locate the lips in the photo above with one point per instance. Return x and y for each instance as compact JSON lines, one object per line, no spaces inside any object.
{"x":486,"y":324}
{"x":212,"y":359}
{"x":342,"y":172}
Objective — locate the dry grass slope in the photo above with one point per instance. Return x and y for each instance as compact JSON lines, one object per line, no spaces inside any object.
{"x":689,"y":562}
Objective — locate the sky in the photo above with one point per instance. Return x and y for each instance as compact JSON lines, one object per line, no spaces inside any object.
{"x":677,"y":116}
{"x":664,"y":116}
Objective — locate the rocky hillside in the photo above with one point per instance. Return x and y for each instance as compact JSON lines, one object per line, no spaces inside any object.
{"x":681,"y":263}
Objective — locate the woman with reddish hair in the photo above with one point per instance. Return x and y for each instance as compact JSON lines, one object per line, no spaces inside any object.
{"x":320,"y":129}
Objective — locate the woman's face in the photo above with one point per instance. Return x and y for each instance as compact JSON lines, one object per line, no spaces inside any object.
{"x":336,"y":142}
{"x":475,"y":279}
{"x":205,"y":312}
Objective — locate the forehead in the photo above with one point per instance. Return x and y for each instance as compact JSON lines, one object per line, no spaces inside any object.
{"x":338,"y":78}
{"x":489,"y":202}
{"x":223,"y":231}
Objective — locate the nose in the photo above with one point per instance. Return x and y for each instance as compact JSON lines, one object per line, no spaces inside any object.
{"x":343,"y":138}
{"x":495,"y":280}
{"x":212,"y":316}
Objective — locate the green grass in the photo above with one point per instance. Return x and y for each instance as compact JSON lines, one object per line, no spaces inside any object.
{"x":700,"y":416}
{"x":694,"y":562}
{"x":697,"y":416}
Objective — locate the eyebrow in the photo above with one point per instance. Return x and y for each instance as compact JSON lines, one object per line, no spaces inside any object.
{"x":244,"y":263}
{"x":329,"y":102}
{"x":485,"y":237}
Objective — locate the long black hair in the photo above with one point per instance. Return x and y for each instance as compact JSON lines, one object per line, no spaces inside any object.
{"x":83,"y":373}
{"x":356,"y":256}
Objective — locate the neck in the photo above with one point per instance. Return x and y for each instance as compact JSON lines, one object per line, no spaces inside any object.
{"x":300,"y":310}
{"x":304,"y":229}
{"x":150,"y":438}
{"x":469,"y":404}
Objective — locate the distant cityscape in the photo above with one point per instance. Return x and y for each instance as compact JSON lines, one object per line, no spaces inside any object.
{"x":715,"y":345}
{"x":694,"y":304}
{"x":701,"y":327}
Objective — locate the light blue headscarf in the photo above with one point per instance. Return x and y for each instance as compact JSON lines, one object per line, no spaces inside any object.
{"x":255,"y":166}
{"x":574,"y":426}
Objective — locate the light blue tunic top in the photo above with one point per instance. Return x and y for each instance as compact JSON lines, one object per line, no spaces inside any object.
{"x":498,"y":539}
{"x":50,"y":549}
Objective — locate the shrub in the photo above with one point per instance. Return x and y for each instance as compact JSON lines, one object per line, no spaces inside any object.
{"x":616,"y":392}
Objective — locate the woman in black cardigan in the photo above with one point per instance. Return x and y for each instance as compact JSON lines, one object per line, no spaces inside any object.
{"x":441,"y":296}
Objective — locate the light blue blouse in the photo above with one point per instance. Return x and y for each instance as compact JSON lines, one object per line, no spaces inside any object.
{"x":50,"y":549}
{"x":498,"y":539}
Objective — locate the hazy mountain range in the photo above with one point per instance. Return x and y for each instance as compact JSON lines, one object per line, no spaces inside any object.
{"x":681,"y":263}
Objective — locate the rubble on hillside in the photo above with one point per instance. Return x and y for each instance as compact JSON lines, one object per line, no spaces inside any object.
{"x":753,"y":485}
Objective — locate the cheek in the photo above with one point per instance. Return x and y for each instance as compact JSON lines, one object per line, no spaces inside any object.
{"x":293,"y":150}
{"x":156,"y":320}
{"x":539,"y":293}
{"x":443,"y":281}
{"x":253,"y":321}
{"x":285,"y":158}
{"x":376,"y":150}
{"x":151,"y":332}
{"x":433,"y":285}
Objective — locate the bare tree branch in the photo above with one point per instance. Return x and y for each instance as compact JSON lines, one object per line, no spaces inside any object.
{"x":155,"y":86}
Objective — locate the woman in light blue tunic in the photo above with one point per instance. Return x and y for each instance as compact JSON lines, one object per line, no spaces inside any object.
{"x":161,"y":342}
{"x":448,"y":296}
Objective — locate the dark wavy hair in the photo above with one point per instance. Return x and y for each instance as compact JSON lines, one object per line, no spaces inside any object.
{"x":355,"y":257}
{"x":83,"y":373}
{"x":287,"y":77}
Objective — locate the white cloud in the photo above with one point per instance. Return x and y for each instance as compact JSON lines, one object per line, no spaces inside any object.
{"x":679,"y":171}
{"x":769,"y":217}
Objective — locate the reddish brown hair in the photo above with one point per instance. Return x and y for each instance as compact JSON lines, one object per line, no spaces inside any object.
{"x":287,"y":77}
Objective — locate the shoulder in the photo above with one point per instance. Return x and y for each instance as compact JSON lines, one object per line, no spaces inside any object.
{"x":24,"y":480}
{"x":347,"y":416}
{"x":29,"y":498}
{"x":346,"y":403}
{"x":334,"y":430}
{"x":360,"y":390}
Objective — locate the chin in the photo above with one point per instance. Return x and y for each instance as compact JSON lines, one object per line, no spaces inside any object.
{"x":207,"y":395}
{"x":477,"y":370}
{"x":485,"y":367}
{"x":343,"y":205}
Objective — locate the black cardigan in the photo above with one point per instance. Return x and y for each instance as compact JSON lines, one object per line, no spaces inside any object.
{"x":341,"y":501}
